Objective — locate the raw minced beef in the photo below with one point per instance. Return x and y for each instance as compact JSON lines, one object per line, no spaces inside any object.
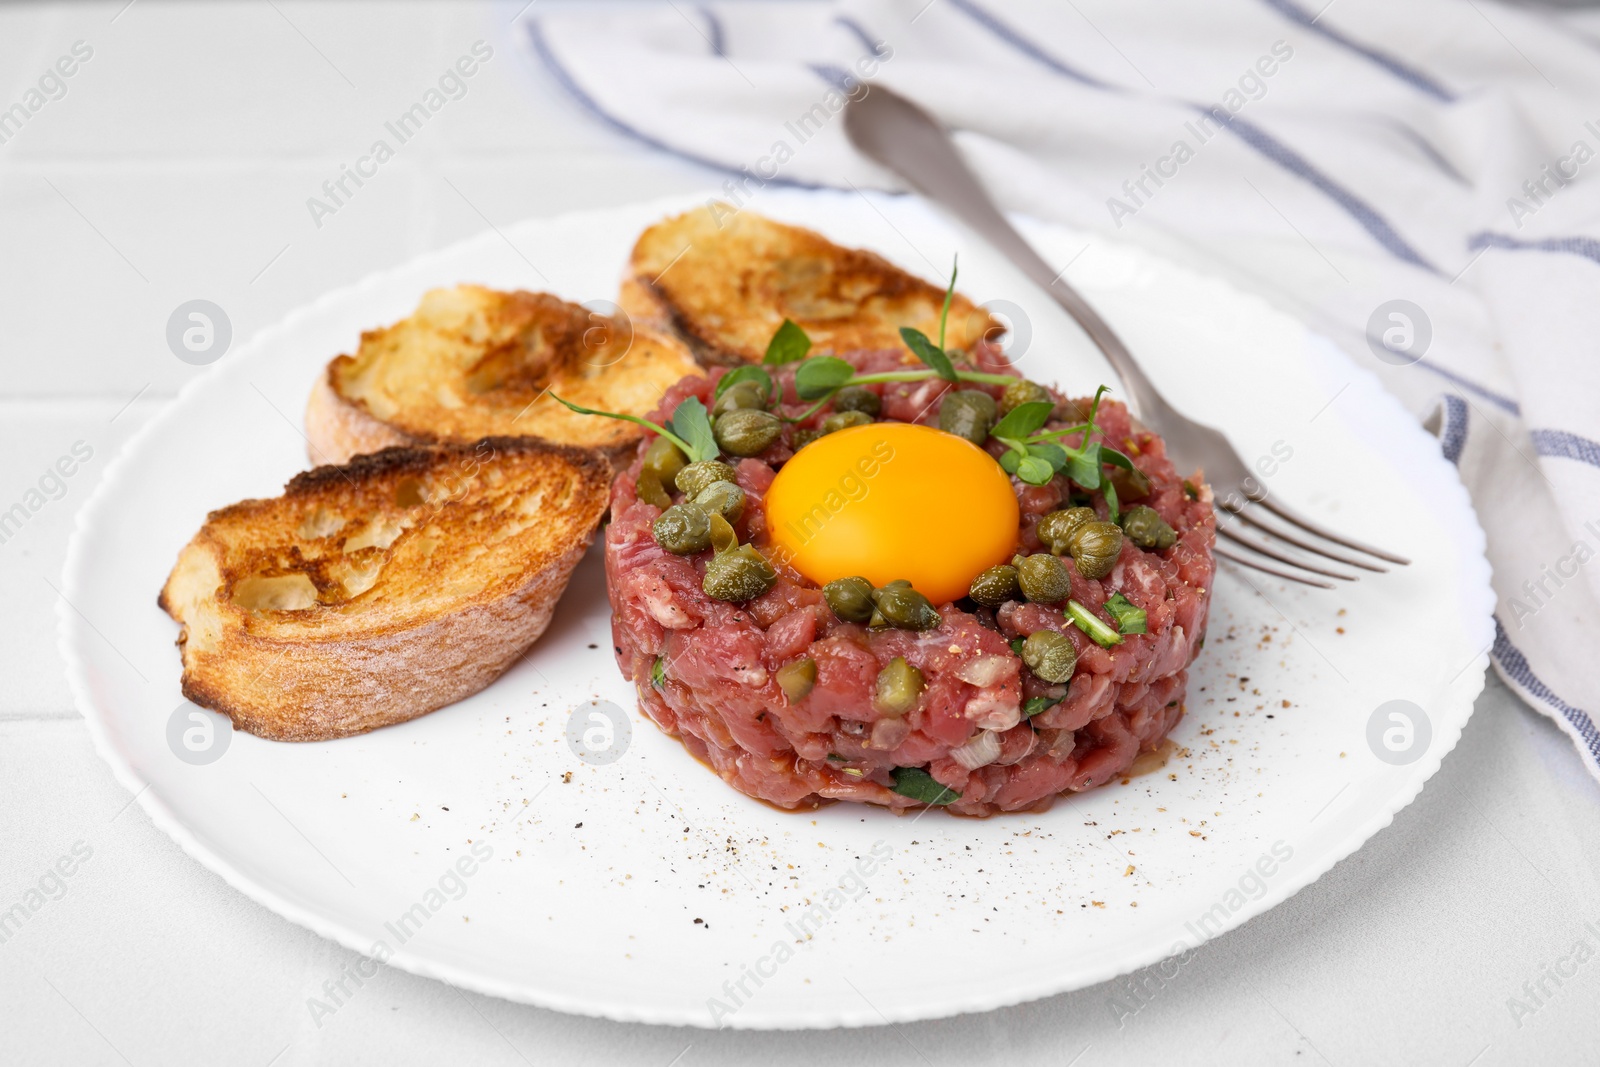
{"x":718,"y":691}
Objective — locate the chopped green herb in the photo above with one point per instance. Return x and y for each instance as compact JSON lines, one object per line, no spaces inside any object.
{"x":918,"y":784}
{"x":689,"y":428}
{"x":1190,"y":491}
{"x":747,"y":373}
{"x":658,"y":672}
{"x":1130,"y":619}
{"x":1034,"y":705}
{"x":789,"y":343}
{"x":835,"y":758}
{"x":1093,"y":625}
{"x":1017,"y":643}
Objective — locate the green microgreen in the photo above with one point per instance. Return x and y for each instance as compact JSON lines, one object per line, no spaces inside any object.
{"x":1025,"y":437}
{"x":747,"y":373}
{"x":789,"y":344}
{"x":689,"y":428}
{"x":930,"y":353}
{"x":1130,"y":619}
{"x":1034,"y":471}
{"x":1093,"y":625}
{"x":692,"y":422}
{"x":658,"y":672}
{"x":949,"y":295}
{"x":918,"y":784}
{"x":821,"y":376}
{"x":1116,"y":458}
{"x":935,"y":355}
{"x":1024,"y":420}
{"x":1034,"y":465}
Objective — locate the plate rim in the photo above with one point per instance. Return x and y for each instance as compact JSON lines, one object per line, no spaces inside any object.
{"x":1476,"y":573}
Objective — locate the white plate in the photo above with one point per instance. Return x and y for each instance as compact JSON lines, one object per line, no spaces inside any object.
{"x":645,"y":889}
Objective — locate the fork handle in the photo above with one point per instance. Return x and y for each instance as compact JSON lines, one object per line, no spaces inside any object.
{"x":922,"y":153}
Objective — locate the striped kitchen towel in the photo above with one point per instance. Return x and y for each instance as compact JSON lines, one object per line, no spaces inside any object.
{"x":1417,"y":180}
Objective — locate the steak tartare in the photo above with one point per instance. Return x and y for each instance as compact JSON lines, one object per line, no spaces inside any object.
{"x":784,"y":697}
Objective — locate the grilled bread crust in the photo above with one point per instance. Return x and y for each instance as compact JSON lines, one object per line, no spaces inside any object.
{"x":725,"y":280}
{"x":473,"y":362}
{"x":373,"y":592}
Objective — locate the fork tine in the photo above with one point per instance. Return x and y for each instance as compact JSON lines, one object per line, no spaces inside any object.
{"x":1283,"y":512}
{"x":1272,"y":553}
{"x":1241,"y":512}
{"x":1253,"y":565}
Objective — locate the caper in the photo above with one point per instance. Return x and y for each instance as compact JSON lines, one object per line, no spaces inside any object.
{"x":649,"y":489}
{"x":1095,"y":547}
{"x":1050,"y":655}
{"x":724,"y":498}
{"x":850,"y":598}
{"x":1146,"y":528}
{"x":899,"y":685}
{"x":746,"y":431}
{"x":740,"y":395}
{"x":693,"y":479}
{"x":683,"y":529}
{"x":995,"y":586}
{"x":857,"y":398}
{"x":1130,"y":485}
{"x":1021,"y":392}
{"x":967,"y":413}
{"x":843,"y":420}
{"x":1056,"y":528}
{"x":1043,"y":578}
{"x":803,"y":437}
{"x":904,"y":608}
{"x":738,"y":574}
{"x":664,"y":458}
{"x":797,"y":679}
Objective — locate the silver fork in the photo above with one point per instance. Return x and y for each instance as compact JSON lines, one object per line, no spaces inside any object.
{"x":899,"y":135}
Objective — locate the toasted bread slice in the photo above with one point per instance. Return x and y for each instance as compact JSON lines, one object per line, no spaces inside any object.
{"x":725,"y":280}
{"x":370,"y":593}
{"x":475,"y":362}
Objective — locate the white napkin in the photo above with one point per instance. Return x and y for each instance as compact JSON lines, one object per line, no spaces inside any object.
{"x":1440,"y":152}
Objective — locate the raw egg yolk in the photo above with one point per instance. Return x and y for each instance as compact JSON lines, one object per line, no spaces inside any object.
{"x":893,"y":500}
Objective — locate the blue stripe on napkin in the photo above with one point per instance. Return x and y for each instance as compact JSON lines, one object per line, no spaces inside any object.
{"x":1406,"y":73}
{"x":1515,"y":665}
{"x":1248,"y":132}
{"x":1564,"y":445}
